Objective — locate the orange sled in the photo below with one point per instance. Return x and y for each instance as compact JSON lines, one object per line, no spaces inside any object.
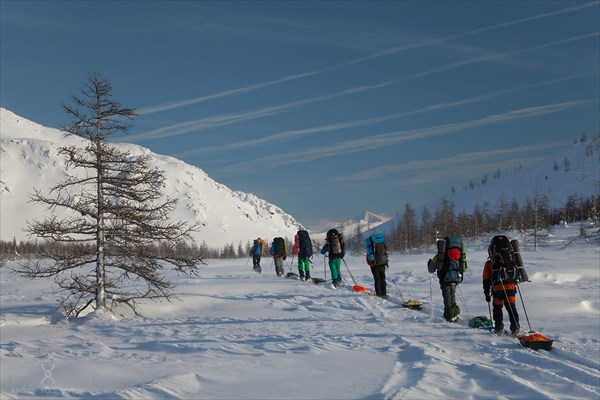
{"x":536,"y":341}
{"x":358,"y":288}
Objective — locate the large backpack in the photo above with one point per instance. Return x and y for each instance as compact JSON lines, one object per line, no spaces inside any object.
{"x":503,"y":258}
{"x":335,"y":240}
{"x":377,"y":248}
{"x":257,"y":248}
{"x":279,"y":247}
{"x":305,"y":244}
{"x":454,"y":261}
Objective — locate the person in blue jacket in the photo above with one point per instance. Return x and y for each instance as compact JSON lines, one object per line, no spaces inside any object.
{"x":258,"y":249}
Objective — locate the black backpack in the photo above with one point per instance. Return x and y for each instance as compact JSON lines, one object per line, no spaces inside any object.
{"x":279,"y":247}
{"x":504,"y":260}
{"x":335,"y":241}
{"x":305,"y":244}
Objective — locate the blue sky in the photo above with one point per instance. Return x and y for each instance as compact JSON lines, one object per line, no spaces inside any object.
{"x":325,"y":109}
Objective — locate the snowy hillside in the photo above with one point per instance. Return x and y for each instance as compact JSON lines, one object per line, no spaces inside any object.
{"x":29,"y":160}
{"x":235,"y":334}
{"x":29,"y":154}
{"x":574,"y":171}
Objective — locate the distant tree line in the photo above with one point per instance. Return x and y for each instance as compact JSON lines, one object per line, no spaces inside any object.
{"x":530,"y":219}
{"x":27,"y":249}
{"x":534,"y":220}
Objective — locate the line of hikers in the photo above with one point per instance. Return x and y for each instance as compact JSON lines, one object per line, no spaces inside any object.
{"x":501,"y":273}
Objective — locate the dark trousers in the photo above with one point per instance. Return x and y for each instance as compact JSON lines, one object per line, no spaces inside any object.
{"x":448,"y":294}
{"x":379,"y":277}
{"x":451,"y":309}
{"x":513,"y":316}
{"x":255,"y":261}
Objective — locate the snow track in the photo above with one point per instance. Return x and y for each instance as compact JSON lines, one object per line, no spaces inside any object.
{"x":239,"y":335}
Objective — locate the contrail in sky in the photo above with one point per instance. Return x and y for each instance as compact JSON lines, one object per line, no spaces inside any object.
{"x":225,"y":119}
{"x":393,"y":138}
{"x":297,"y":133}
{"x":386,"y":52}
{"x":440,"y":163}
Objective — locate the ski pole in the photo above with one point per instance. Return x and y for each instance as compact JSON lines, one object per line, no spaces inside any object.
{"x":293,"y":255}
{"x":523,"y":303}
{"x":510,"y":309}
{"x":325,"y":266}
{"x":490,"y":310}
{"x":464,"y":301}
{"x":397,"y":288}
{"x":430,"y":296}
{"x":354,"y":280}
{"x":286,"y":263}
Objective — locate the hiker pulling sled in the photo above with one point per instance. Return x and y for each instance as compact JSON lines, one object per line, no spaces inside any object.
{"x":450,"y":263}
{"x":279,"y":252}
{"x":304,"y":249}
{"x":377,"y":258}
{"x":257,"y":251}
{"x":502,"y":273}
{"x":335,"y":246}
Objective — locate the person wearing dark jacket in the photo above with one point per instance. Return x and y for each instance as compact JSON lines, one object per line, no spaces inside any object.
{"x":503,"y":293}
{"x":279,"y":252}
{"x":377,"y":259}
{"x":450,"y":264}
{"x":336,"y":248}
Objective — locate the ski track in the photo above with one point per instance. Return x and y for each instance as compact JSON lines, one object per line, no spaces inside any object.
{"x":219,"y":324}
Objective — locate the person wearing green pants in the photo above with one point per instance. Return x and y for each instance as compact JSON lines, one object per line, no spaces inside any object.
{"x":303,"y":248}
{"x":335,"y":246}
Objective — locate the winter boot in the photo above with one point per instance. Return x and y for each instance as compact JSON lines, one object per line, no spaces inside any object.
{"x":301,"y":274}
{"x":455,"y":311}
{"x":448,"y":314}
{"x":308,"y":275}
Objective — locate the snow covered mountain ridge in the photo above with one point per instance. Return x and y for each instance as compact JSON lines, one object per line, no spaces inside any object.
{"x":29,"y":159}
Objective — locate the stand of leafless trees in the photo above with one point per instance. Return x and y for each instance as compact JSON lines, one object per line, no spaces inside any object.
{"x":534,"y":219}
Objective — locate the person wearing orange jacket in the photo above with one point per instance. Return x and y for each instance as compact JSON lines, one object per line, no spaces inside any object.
{"x":503,"y":292}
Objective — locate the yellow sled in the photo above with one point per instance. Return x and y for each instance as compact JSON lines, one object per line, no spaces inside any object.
{"x":413,"y":304}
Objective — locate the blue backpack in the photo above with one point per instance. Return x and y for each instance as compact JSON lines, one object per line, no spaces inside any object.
{"x":454,"y":260}
{"x":257,"y":249}
{"x":376,"y":249}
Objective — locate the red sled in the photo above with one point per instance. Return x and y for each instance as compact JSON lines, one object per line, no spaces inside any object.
{"x":536,"y":341}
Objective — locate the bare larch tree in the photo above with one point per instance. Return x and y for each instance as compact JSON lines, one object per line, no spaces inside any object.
{"x":115,"y":215}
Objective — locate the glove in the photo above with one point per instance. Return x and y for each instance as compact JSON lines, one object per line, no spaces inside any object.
{"x":488,"y":298}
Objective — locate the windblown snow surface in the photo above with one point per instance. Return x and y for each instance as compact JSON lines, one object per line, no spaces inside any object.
{"x":235,"y":334}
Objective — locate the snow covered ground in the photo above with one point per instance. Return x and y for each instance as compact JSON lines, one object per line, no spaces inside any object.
{"x":235,"y":334}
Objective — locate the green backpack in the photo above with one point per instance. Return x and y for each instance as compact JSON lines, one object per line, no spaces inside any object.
{"x":481,"y":322}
